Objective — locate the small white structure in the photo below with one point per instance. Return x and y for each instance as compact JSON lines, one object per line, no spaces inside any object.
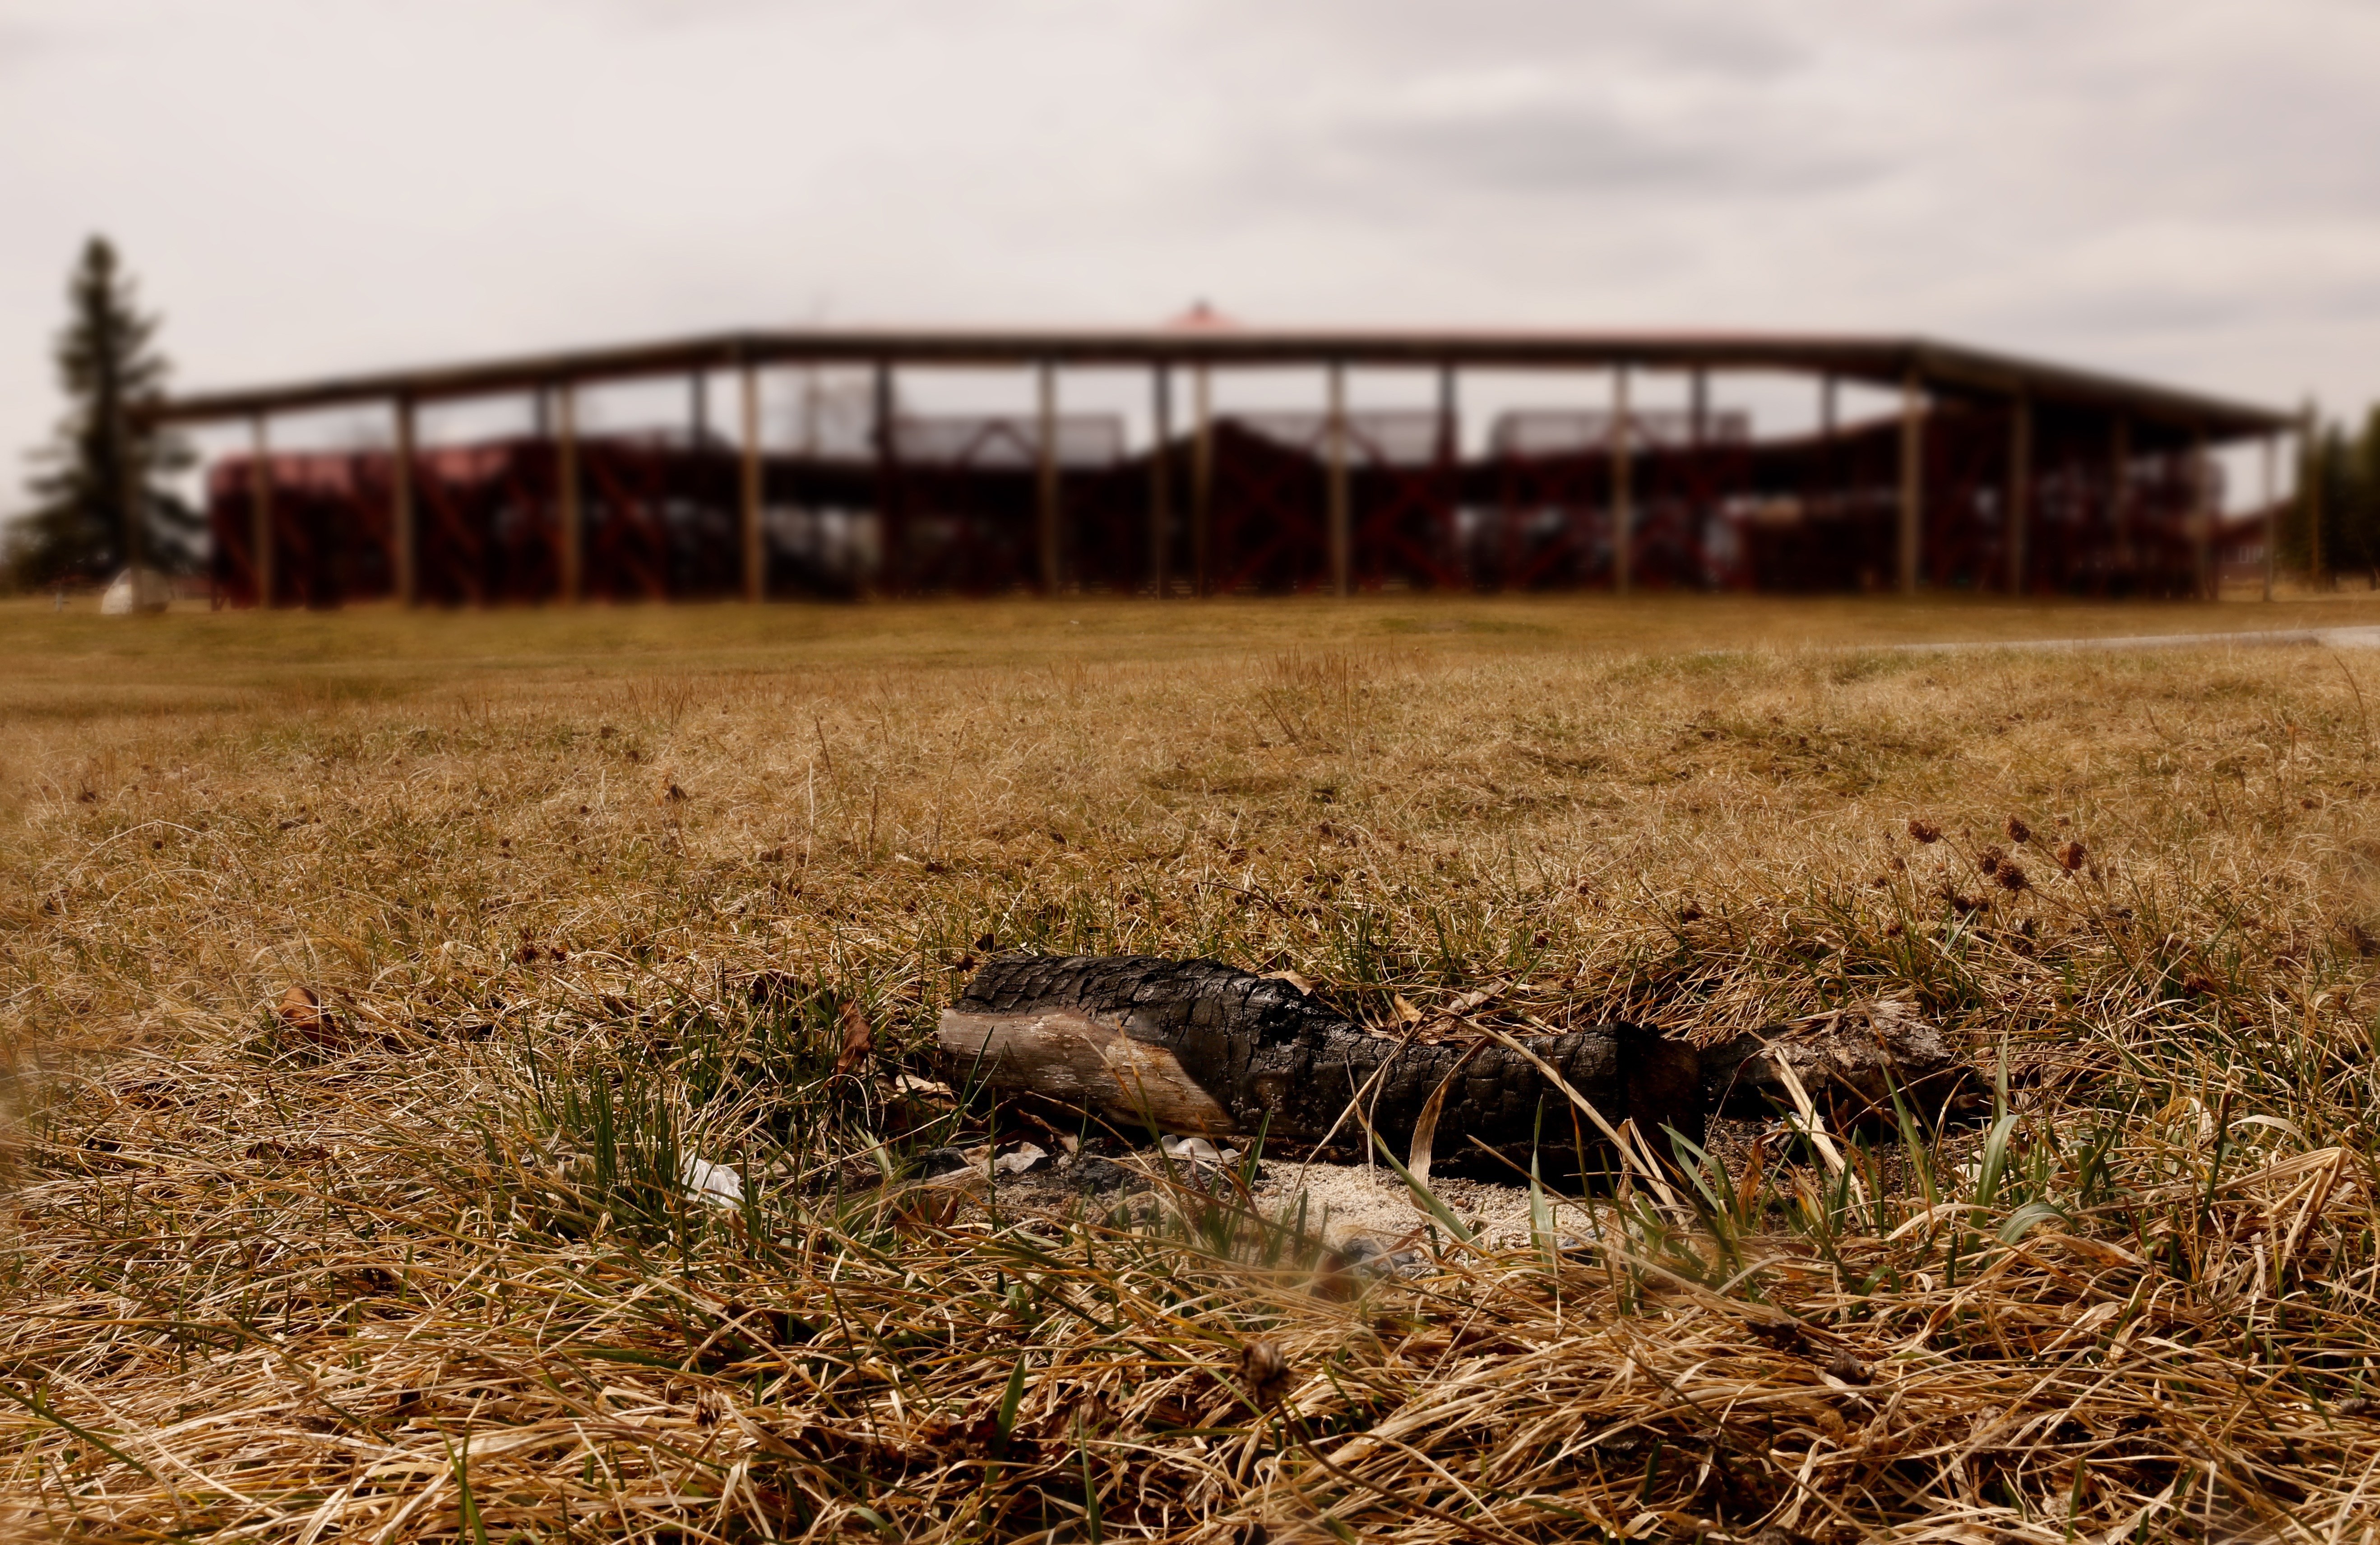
{"x":136,"y":590}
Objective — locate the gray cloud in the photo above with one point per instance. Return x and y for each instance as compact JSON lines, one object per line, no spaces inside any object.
{"x":22,"y":46}
{"x":1581,"y":148}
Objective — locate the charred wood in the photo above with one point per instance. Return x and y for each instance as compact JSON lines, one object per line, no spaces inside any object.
{"x":1195,"y":1046}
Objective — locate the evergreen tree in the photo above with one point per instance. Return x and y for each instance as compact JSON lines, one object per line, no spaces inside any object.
{"x":2357,"y":485}
{"x":101,"y":498}
{"x":2342,"y":470}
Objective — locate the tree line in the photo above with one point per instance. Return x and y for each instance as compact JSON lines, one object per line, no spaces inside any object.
{"x":2340,"y":535}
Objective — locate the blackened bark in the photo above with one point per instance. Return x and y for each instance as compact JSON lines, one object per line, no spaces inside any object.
{"x":1269,"y":1057}
{"x":1852,"y":1063}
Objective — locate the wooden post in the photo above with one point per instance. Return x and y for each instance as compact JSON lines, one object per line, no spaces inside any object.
{"x":401,"y":517}
{"x":1698,"y":436}
{"x":1340,"y":515}
{"x":1202,"y":483}
{"x":260,"y":512}
{"x":756,"y":555}
{"x":1624,"y":492}
{"x":894,"y":543}
{"x":2272,"y":511}
{"x":2120,"y":489}
{"x":698,"y":391}
{"x":1161,"y":478}
{"x":1818,"y":483}
{"x":1449,"y":461}
{"x":1046,"y":511}
{"x":1913,"y":479}
{"x":2310,"y":494}
{"x":2201,"y":520}
{"x":571,"y":537}
{"x":2020,"y":489}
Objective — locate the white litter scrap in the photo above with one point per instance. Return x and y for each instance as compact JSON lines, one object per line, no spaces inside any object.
{"x":1198,"y":1150}
{"x":719,"y":1184}
{"x":1021,"y":1159}
{"x":134,"y":590}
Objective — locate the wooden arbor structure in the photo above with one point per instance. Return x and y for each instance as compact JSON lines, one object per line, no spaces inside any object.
{"x":1995,"y":473}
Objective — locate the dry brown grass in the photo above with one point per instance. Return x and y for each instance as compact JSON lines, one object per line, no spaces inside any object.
{"x":417,"y":1270}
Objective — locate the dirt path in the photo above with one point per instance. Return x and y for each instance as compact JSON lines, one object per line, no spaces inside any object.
{"x":2328,"y":638}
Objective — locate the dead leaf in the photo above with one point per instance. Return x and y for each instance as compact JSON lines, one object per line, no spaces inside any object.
{"x":975,"y":1432}
{"x":272,"y":1151}
{"x":1334,"y":1278}
{"x":1470,"y":1002}
{"x":858,"y":1040}
{"x":303,"y":1014}
{"x":1022,"y":1158}
{"x":1094,"y":1410}
{"x":1293,"y":978}
{"x":1425,"y":1128}
{"x":1264,"y":1370}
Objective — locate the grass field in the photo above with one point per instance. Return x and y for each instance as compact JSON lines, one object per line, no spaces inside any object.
{"x":584,"y":895}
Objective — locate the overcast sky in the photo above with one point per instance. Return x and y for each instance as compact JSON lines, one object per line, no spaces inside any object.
{"x":2183,"y":189}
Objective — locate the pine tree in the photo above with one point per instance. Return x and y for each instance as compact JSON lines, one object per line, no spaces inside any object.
{"x":2359,"y":493}
{"x":2343,"y":472}
{"x":102,"y":501}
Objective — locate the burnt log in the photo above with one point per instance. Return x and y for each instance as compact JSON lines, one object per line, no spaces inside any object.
{"x":1851,"y":1063}
{"x":1195,"y":1046}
